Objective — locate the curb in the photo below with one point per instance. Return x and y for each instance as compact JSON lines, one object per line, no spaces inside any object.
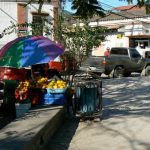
{"x":32,"y":131}
{"x":41,"y":138}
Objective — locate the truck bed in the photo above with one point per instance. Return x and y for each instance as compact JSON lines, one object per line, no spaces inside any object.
{"x":93,"y":64}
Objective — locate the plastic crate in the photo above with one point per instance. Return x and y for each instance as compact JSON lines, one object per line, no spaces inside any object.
{"x":50,"y":90}
{"x":54,"y":99}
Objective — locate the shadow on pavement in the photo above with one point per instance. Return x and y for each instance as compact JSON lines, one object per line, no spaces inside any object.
{"x":62,"y":138}
{"x":4,"y":120}
{"x":7,"y":114}
{"x":126,"y":96}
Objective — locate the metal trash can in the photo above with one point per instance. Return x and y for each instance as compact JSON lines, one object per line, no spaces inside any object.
{"x":89,"y":98}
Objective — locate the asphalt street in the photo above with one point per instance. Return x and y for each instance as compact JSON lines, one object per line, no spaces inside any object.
{"x":125,"y":124}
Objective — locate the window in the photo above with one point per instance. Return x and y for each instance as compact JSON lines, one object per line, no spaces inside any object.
{"x":134,"y":53}
{"x":38,"y":23}
{"x":119,"y":51}
{"x":141,"y":43}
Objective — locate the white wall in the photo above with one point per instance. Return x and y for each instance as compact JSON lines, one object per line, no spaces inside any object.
{"x":117,"y":23}
{"x":46,"y":8}
{"x":111,"y":41}
{"x":8,"y":12}
{"x":137,"y":29}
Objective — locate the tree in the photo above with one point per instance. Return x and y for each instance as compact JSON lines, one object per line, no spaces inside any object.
{"x":79,"y":42}
{"x":87,"y":8}
{"x":84,"y":8}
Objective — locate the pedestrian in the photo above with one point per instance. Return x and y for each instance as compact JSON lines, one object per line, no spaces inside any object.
{"x":107,"y":52}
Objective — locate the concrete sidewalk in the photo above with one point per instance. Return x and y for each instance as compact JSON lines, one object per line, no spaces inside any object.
{"x":126,"y":118}
{"x":125,"y":124}
{"x":33,"y":130}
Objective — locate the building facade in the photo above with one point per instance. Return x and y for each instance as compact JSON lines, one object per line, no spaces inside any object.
{"x":132,"y":26}
{"x":14,"y":14}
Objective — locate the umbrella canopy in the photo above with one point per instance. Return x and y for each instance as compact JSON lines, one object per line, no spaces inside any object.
{"x":30,"y":50}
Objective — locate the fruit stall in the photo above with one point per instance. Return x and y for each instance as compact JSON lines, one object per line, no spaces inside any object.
{"x":16,"y":60}
{"x":40,"y":91}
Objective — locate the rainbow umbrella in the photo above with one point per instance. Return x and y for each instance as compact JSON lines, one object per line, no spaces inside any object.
{"x":30,"y":50}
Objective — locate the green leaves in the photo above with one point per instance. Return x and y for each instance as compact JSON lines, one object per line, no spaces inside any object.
{"x":79,"y":40}
{"x":87,"y":8}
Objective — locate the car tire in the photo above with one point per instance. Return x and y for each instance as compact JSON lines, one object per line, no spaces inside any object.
{"x":118,"y":72}
{"x":147,"y":71}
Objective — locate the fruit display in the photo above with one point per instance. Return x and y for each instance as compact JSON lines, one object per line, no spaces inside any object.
{"x":21,"y":92}
{"x":57,"y":84}
{"x":42,"y":82}
{"x":27,"y":89}
{"x":23,"y":86}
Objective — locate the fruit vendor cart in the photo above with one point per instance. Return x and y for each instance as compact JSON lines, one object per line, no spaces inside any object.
{"x":32,"y":50}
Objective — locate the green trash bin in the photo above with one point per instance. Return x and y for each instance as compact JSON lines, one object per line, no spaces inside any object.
{"x":89,"y":97}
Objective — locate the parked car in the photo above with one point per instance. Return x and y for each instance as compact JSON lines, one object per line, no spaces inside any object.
{"x":122,"y":61}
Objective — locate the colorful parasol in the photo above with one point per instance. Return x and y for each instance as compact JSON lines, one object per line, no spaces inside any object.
{"x":30,"y":50}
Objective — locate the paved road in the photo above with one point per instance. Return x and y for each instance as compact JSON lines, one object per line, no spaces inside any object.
{"x":125,"y":124}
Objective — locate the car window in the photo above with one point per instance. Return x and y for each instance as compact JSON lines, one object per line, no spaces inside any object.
{"x":134,"y":53}
{"x":119,"y":51}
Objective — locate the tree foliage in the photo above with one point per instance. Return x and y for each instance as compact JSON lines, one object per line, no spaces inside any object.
{"x":87,"y":8}
{"x":84,"y":8}
{"x":79,"y":42}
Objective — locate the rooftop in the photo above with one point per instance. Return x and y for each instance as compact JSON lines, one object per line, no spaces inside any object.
{"x":123,"y":12}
